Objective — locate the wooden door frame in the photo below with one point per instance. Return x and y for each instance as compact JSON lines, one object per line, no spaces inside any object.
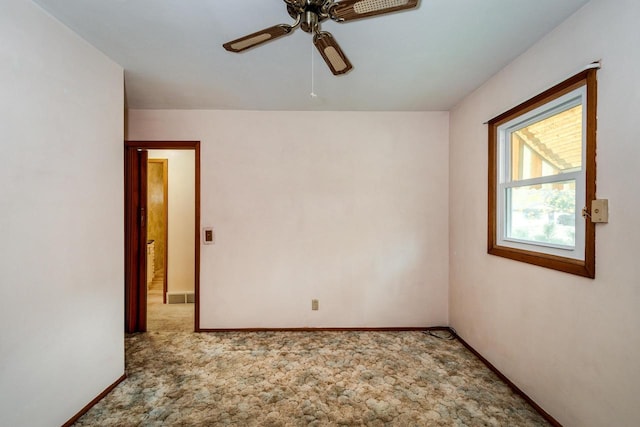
{"x":135,"y":247}
{"x":134,"y":307}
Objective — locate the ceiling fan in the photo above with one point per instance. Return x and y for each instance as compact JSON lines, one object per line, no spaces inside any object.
{"x":308,"y":15}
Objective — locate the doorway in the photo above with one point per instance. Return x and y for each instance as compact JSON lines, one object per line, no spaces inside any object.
{"x":157,"y":226}
{"x":138,"y":274}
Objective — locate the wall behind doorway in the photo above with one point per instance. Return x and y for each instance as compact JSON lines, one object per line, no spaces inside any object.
{"x":350,"y":208}
{"x":181,"y":218}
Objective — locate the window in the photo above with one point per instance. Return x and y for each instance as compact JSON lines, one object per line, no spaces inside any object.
{"x":542,"y":175}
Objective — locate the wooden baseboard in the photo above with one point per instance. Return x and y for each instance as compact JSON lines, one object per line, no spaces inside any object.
{"x":507,"y":381}
{"x":94,"y":401}
{"x":386,"y":329}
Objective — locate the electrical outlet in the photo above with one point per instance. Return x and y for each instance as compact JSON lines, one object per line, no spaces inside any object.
{"x":315,"y":304}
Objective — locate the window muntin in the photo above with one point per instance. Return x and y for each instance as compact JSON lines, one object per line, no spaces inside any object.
{"x":542,"y":173}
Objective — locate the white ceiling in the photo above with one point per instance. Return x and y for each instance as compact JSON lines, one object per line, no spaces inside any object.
{"x":424,"y":59}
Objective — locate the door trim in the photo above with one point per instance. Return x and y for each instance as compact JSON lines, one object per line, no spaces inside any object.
{"x":132,"y":309}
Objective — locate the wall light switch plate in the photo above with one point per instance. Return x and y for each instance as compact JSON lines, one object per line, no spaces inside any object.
{"x":314,"y":304}
{"x":600,"y":210}
{"x":208,"y":236}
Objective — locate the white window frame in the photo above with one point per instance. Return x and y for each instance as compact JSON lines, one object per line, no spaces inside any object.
{"x":505,"y":181}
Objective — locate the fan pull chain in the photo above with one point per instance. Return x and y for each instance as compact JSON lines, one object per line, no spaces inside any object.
{"x":313,"y":93}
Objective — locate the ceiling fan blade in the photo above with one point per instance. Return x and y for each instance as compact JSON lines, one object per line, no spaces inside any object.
{"x":348,"y":10}
{"x":331,"y":53}
{"x":258,"y":38}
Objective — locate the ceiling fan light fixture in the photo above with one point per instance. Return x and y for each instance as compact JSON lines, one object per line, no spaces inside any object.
{"x":332,"y":54}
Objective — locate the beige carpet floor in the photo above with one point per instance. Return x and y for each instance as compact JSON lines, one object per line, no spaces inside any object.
{"x":166,"y":317}
{"x":306,"y":379}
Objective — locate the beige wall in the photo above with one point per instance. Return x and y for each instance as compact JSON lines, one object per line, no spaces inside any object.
{"x":181,"y":218}
{"x":570,"y":343}
{"x":61,"y":219}
{"x":348,"y":208}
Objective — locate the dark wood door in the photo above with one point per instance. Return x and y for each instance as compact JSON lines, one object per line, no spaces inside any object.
{"x":135,"y":240}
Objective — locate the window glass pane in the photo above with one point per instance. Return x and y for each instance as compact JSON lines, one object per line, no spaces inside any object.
{"x":548,"y":147}
{"x":543,"y":213}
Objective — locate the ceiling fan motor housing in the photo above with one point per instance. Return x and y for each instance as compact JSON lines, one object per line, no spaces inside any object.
{"x":309,"y":22}
{"x":311,"y":13}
